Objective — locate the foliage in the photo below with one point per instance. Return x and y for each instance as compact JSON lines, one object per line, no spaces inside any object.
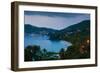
{"x":32,"y":53}
{"x":35,"y":53}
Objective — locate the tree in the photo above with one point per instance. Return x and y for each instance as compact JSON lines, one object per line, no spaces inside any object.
{"x":32,"y":53}
{"x":27,"y":54}
{"x":62,"y":53}
{"x":36,"y":52}
{"x":44,"y":50}
{"x":72,"y":52}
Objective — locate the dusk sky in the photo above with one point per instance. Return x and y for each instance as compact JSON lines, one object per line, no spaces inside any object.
{"x":53,"y":20}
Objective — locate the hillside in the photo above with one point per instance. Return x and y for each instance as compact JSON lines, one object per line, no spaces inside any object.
{"x":38,"y":30}
{"x":77,"y":30}
{"x":71,"y":29}
{"x":79,"y":26}
{"x":79,"y":36}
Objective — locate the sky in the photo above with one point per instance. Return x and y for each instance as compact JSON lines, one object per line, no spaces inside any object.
{"x":53,"y":20}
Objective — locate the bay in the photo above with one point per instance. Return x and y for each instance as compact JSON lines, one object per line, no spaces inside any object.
{"x":44,"y":42}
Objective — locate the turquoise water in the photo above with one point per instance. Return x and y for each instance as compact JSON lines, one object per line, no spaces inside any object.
{"x":44,"y":42}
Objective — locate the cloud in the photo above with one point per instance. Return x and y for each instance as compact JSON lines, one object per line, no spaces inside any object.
{"x":54,"y":21}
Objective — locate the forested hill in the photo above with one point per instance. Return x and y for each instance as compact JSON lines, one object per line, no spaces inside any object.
{"x":80,"y":30}
{"x":38,"y":30}
{"x":79,"y":26}
{"x":71,"y":29}
{"x":70,"y":33}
